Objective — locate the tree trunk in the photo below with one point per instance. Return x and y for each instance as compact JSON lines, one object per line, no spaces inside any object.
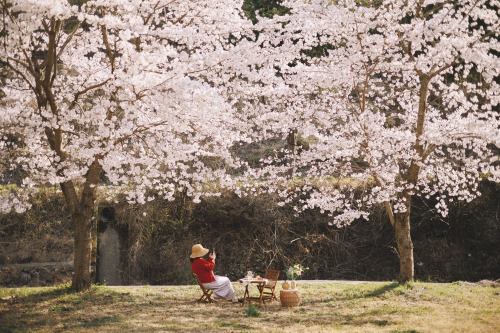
{"x":405,"y":246}
{"x":82,"y":212}
{"x":291,"y":143}
{"x":83,"y":250}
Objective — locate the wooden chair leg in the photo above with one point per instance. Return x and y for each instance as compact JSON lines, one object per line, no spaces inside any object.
{"x":274,"y":295}
{"x":207,"y":297}
{"x":271,"y":294}
{"x":207,"y":293}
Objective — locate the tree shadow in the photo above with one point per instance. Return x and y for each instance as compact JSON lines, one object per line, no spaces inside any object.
{"x":351,"y":296}
{"x":382,"y":290}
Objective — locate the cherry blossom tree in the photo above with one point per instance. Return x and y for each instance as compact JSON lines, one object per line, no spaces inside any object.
{"x":126,"y":90}
{"x":400,"y":98}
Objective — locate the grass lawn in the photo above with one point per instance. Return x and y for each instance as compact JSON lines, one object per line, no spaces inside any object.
{"x":326,"y":307}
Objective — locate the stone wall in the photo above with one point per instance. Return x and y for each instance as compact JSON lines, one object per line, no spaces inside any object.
{"x":35,"y":274}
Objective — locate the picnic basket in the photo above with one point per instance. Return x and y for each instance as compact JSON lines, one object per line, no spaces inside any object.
{"x":290,"y":298}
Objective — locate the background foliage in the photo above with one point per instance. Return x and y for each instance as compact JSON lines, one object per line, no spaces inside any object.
{"x":253,"y":232}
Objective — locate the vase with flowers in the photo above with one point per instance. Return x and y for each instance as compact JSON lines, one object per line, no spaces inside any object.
{"x":291,"y":297}
{"x":293,"y":272}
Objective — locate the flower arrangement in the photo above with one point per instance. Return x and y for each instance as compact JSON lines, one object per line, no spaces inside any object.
{"x":294,"y":271}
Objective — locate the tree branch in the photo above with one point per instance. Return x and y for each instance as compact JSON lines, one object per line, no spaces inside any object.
{"x":68,"y":39}
{"x":84,"y":91}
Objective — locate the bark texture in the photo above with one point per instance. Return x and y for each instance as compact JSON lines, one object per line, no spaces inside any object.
{"x":83,"y":251}
{"x":82,"y":212}
{"x":405,"y":248}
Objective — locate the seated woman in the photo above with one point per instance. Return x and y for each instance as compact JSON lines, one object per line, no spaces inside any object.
{"x":220,"y":285}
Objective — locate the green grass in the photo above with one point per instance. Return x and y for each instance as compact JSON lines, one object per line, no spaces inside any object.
{"x":252,"y":311}
{"x":326,"y":307}
{"x":8,"y":188}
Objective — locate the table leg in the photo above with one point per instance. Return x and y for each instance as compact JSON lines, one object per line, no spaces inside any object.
{"x":246,"y":296}
{"x":261,"y":292}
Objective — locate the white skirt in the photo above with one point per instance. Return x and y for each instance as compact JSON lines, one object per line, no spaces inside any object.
{"x":221,"y":287}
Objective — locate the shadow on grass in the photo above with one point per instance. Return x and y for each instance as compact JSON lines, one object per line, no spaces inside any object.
{"x":100,"y":321}
{"x":380,"y":291}
{"x":349,"y":296}
{"x":29,"y":308}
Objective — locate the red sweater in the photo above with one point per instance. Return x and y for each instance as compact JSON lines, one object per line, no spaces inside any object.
{"x":203,"y":268}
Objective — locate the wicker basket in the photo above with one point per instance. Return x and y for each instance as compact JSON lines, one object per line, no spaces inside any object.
{"x":290,"y":298}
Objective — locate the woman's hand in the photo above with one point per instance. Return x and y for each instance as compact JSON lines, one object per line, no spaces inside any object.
{"x":212,"y":255}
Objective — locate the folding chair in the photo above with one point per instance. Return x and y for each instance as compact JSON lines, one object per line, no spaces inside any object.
{"x":207,"y":293}
{"x":268,"y":293}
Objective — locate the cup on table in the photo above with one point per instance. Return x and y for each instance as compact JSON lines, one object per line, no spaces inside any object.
{"x":249,"y":274}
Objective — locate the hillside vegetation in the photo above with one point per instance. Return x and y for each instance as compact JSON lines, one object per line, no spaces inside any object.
{"x":253,"y":232}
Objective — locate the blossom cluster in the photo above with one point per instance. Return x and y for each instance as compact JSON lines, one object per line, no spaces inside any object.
{"x":155,"y":94}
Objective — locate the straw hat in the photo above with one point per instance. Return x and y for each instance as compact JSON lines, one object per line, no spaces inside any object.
{"x":198,"y":251}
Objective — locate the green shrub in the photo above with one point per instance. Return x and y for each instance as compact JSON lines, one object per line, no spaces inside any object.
{"x":252,"y":311}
